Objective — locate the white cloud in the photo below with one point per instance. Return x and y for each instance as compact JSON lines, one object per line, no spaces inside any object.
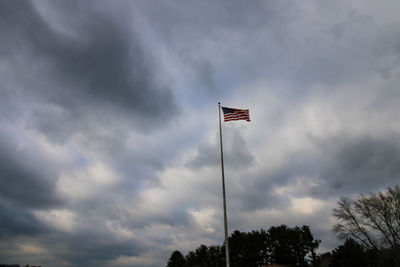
{"x":86,"y":182}
{"x":61,"y":219}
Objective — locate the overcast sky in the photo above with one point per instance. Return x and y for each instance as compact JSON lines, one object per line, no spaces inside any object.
{"x":109,"y":149}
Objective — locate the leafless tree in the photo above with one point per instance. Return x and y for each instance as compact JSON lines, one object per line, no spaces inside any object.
{"x":373,"y":220}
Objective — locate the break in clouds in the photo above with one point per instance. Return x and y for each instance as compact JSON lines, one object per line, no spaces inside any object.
{"x":109,"y":142}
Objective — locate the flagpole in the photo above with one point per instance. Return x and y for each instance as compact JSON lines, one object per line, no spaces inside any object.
{"x":223,"y":189}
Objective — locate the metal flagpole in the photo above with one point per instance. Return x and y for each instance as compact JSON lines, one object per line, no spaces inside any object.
{"x":223,"y":189}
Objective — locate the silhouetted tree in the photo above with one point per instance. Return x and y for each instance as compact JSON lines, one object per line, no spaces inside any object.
{"x":176,"y":260}
{"x":258,"y":247}
{"x":373,"y":220}
{"x":279,"y":244}
{"x":291,"y":245}
{"x":350,"y":254}
{"x":248,"y":249}
{"x":193,"y":259}
{"x":216,"y":256}
{"x":205,"y":256}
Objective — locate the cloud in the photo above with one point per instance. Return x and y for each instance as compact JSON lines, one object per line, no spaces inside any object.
{"x":363,"y":161}
{"x":26,"y":182}
{"x":17,"y":221}
{"x":102,"y":68}
{"x":237,"y":153}
{"x":109,"y":148}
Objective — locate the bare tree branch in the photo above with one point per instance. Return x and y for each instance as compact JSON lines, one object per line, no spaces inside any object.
{"x":373,"y":220}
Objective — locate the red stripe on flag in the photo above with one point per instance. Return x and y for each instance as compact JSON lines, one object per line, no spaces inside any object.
{"x":233,"y":114}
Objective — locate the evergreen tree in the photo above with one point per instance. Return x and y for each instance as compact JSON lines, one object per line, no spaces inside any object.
{"x":176,"y":260}
{"x":280,"y":244}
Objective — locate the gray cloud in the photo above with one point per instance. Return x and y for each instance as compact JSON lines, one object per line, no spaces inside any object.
{"x":105,"y":122}
{"x":16,"y":221}
{"x":237,"y":154}
{"x":26,"y":182}
{"x":363,"y":163}
{"x":341,"y":166}
{"x":107,"y":69}
{"x":93,"y":249}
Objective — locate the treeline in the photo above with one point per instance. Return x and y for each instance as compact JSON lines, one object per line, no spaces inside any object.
{"x":370,"y":226}
{"x":353,"y":254}
{"x":285,"y":246}
{"x":279,"y":244}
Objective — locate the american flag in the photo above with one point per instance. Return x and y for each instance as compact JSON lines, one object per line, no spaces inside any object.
{"x":235,"y":114}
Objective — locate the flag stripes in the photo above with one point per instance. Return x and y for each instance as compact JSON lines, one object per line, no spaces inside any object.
{"x":235,"y":114}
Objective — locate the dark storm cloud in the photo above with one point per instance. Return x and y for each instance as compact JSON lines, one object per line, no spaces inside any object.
{"x":18,"y":221}
{"x":190,"y":21}
{"x":363,"y":163}
{"x":90,"y":248}
{"x":93,"y":249}
{"x":104,"y":66}
{"x":26,"y":179}
{"x":94,"y":77}
{"x":252,"y":198}
{"x":217,"y":40}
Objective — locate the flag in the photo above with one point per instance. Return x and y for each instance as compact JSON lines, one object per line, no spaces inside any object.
{"x":235,"y":114}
